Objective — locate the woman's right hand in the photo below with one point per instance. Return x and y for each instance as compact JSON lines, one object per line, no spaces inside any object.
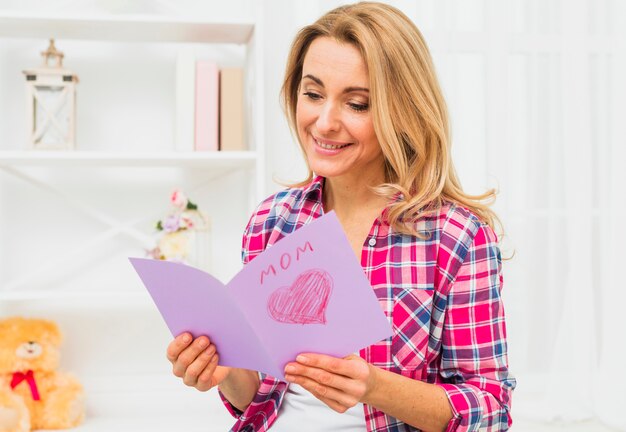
{"x":195,"y":361}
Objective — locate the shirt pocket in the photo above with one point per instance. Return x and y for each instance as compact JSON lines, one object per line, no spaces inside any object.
{"x":411,"y":319}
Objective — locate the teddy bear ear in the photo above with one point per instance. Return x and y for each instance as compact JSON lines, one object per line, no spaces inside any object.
{"x":51,"y":332}
{"x":10,"y":325}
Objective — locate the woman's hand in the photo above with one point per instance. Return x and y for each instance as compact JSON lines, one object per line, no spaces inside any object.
{"x":195,"y":361}
{"x":339,"y":383}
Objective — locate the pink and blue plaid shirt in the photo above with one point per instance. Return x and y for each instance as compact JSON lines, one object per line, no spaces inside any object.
{"x":442,"y":296}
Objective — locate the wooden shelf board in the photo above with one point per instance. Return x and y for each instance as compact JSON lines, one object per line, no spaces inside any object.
{"x":103,"y":296}
{"x":150,"y":402}
{"x":172,"y":159}
{"x":129,"y":28}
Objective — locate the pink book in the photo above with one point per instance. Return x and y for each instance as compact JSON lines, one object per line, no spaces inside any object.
{"x":207,"y":105}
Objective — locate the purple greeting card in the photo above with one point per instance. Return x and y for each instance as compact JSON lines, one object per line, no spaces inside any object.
{"x":306,"y":293}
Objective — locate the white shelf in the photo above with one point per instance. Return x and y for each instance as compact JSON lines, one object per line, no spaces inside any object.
{"x":128,"y":28}
{"x":117,"y":335}
{"x":151,"y":402}
{"x":101,"y":296}
{"x":217,"y":160}
{"x":160,"y":403}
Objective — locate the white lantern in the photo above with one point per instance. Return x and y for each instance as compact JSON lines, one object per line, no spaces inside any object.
{"x":51,"y":103}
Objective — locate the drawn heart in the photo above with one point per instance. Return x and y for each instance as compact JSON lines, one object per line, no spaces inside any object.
{"x":305,"y":301}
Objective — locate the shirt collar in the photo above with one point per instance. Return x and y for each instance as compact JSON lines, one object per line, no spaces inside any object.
{"x":313,"y":190}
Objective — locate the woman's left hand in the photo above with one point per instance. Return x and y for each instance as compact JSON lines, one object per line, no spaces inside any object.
{"x":340,"y":383}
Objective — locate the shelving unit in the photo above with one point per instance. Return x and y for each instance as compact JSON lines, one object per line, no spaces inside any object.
{"x":213,"y":160}
{"x":71,"y":218}
{"x":42,"y":295}
{"x":125,"y":28}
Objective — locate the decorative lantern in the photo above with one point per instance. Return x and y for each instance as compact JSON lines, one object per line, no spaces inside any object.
{"x":51,"y":103}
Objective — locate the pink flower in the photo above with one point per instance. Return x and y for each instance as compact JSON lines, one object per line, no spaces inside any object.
{"x":154,"y":253}
{"x":179,"y":199}
{"x":188,"y":219}
{"x":186,"y":222}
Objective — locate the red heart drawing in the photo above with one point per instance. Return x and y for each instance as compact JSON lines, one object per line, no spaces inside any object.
{"x":305,"y":301}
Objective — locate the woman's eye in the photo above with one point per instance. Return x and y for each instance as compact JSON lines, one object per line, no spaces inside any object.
{"x":312,"y":96}
{"x":358,"y":107}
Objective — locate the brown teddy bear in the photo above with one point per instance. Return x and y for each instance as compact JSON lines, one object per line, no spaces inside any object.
{"x":33,"y":394}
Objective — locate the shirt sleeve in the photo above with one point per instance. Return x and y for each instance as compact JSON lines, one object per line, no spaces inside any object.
{"x":263,"y":408}
{"x":474,"y":365}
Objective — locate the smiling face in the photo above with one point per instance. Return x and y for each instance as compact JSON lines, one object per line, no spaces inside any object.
{"x":333,"y":118}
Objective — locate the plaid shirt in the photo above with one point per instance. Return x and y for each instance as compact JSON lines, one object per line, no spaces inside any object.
{"x":442,"y":295}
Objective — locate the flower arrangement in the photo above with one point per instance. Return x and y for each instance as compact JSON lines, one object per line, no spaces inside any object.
{"x":177,"y":233}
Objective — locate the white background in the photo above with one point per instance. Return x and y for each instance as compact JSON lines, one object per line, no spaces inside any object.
{"x":536,"y":94}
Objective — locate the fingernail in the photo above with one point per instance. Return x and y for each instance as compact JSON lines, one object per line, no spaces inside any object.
{"x":289,"y":378}
{"x":302,"y":359}
{"x":290,"y":369}
{"x":186,"y":338}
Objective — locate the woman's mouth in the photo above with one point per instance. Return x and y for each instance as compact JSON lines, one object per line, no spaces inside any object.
{"x":330,"y":146}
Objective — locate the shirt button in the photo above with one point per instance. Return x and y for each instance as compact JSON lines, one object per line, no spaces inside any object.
{"x":372,"y":242}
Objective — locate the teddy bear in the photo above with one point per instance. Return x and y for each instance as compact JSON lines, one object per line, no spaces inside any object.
{"x":33,"y":393}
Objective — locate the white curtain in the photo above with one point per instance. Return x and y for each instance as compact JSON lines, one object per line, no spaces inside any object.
{"x":537,"y":95}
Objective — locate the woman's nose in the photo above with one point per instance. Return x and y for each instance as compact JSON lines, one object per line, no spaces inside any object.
{"x":328,"y":119}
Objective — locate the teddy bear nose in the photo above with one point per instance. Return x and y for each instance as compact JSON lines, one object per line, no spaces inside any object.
{"x":31,"y":342}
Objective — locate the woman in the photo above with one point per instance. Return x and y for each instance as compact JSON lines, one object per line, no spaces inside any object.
{"x":361,"y":93}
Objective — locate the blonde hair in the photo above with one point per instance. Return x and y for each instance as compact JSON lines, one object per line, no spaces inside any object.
{"x":408,"y":110}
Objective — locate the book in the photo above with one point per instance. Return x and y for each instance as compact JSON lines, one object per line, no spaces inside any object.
{"x":185,"y":99}
{"x":207,"y":106}
{"x":305,"y":293}
{"x":231,"y":110}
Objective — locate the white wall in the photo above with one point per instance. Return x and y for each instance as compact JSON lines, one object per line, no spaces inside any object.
{"x":535,"y":94}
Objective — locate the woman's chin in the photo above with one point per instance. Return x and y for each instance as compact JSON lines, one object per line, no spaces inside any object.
{"x":327,"y":170}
